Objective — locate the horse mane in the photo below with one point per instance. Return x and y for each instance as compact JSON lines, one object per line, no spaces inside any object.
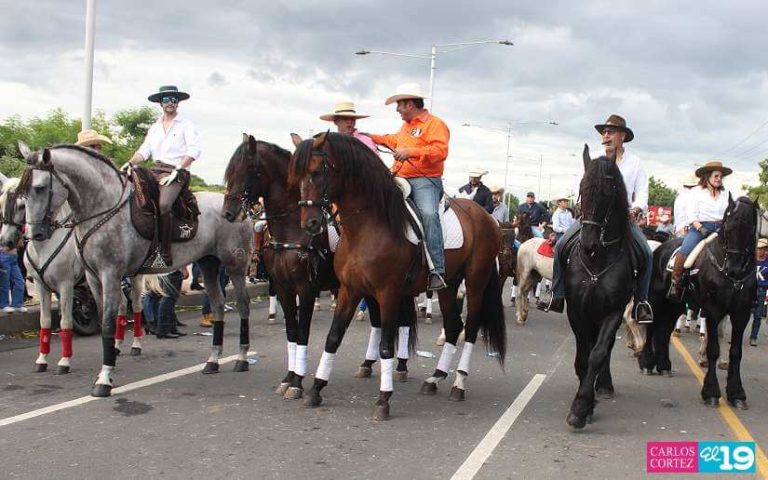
{"x":745,"y":229}
{"x":240,"y":166}
{"x":26,"y":178}
{"x":361,"y":171}
{"x":594,"y":183}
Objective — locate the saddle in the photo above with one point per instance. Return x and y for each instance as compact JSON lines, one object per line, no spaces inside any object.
{"x":145,"y":201}
{"x":636,"y":253}
{"x":691,"y":259}
{"x":546,"y":249}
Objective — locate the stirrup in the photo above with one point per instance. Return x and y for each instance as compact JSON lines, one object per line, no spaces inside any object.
{"x":647,"y":320}
{"x":436,"y":282}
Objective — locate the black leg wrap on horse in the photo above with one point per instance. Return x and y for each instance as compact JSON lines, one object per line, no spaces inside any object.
{"x":218,"y":333}
{"x":402,"y":365}
{"x":244,"y":332}
{"x":109,"y":352}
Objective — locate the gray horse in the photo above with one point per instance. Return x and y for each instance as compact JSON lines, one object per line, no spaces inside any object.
{"x":111,"y":248}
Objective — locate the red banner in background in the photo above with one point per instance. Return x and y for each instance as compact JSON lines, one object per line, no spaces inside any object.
{"x":654,"y":212}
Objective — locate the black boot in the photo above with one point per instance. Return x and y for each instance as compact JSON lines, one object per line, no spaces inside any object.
{"x":166,"y":231}
{"x":436,"y":282}
{"x":555,"y":305}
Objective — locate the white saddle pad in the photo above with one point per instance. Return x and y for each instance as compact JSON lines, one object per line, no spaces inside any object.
{"x":694,"y":254}
{"x":453,"y":235}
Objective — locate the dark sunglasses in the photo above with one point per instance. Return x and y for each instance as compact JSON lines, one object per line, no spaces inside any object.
{"x":169,"y":100}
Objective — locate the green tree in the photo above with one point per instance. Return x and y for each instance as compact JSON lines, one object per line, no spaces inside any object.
{"x":660,"y":194}
{"x":759,"y":192}
{"x":512,"y":203}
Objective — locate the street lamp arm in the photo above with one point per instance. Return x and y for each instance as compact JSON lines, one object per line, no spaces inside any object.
{"x":380,"y":52}
{"x":480,"y":42}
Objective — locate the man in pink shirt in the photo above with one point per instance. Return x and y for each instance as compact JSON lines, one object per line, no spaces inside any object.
{"x":345,"y":118}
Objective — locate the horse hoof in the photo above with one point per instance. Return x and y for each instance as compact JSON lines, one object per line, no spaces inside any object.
{"x":576,"y":422}
{"x":135,"y":352}
{"x":381,"y":413}
{"x":739,"y":404}
{"x":282,"y":388}
{"x":440,"y":341}
{"x":400,"y":377}
{"x":722,"y":366}
{"x":589,"y":419}
{"x":520,"y":322}
{"x":41,"y":367}
{"x":604,"y":394}
{"x":457,"y":394}
{"x":211,"y":367}
{"x":240,"y":366}
{"x":62,"y":370}
{"x":428,"y":388}
{"x":646,"y":371}
{"x":101,"y":390}
{"x":293,"y":393}
{"x":313,"y":400}
{"x":712,"y":402}
{"x":364,"y":372}
{"x":666,"y":373}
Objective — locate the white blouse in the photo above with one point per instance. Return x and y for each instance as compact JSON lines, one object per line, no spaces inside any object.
{"x":703,"y":207}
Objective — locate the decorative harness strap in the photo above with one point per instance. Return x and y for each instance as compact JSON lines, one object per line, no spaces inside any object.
{"x":41,"y":270}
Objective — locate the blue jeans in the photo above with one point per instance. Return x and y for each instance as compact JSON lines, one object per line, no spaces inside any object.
{"x":693,"y":237}
{"x":166,"y":318}
{"x":149,"y":306}
{"x":223,"y":281}
{"x":757,"y":314}
{"x":11,"y":281}
{"x":426,"y":193}
{"x":643,"y":283}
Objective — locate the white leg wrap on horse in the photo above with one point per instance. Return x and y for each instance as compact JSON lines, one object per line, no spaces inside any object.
{"x":64,"y":362}
{"x":42,"y":359}
{"x":105,"y":375}
{"x":514,"y":290}
{"x":301,"y":360}
{"x":387,"y":364}
{"x":538,"y":289}
{"x":291,"y":356}
{"x":373,"y":344}
{"x":215,"y":354}
{"x":429,"y":305}
{"x":402,"y":342}
{"x":136,"y":343}
{"x":688,"y":316}
{"x":119,"y":344}
{"x":680,"y":321}
{"x":272,"y":304}
{"x":702,"y":325}
{"x":446,"y":357}
{"x":327,"y":361}
{"x":459,"y":382}
{"x":466,"y":354}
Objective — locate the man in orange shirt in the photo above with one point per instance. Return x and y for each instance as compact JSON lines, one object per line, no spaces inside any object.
{"x":421,"y":147}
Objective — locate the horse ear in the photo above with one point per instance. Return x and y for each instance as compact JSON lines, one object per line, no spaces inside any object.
{"x":296,"y":139}
{"x":585,"y":156}
{"x":45,"y":156}
{"x":320,"y":140}
{"x":24,"y":149}
{"x":251,"y":141}
{"x":245,"y":137}
{"x":730,"y":201}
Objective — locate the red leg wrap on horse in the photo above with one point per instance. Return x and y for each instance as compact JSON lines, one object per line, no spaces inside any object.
{"x":65,"y":335}
{"x":45,"y":340}
{"x":121,"y":323}
{"x":137,"y":330}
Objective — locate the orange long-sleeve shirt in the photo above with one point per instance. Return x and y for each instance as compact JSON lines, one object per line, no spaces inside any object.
{"x":426,"y":136}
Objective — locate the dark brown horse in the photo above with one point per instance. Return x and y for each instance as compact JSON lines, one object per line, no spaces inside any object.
{"x":508,"y":254}
{"x":298,"y":264}
{"x":376,"y":261}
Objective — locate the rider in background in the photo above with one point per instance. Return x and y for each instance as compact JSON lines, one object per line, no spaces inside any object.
{"x":681,"y":204}
{"x":706,"y":207}
{"x":477,"y":191}
{"x":761,"y":255}
{"x":421,"y":147}
{"x":614,"y":134}
{"x":500,"y":210}
{"x":174,"y":143}
{"x":536,"y":212}
{"x":562,"y":219}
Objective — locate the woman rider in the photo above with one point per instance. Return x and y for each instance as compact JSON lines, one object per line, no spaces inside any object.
{"x":705,"y":210}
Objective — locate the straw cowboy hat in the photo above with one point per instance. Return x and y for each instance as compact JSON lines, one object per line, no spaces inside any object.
{"x":167,"y":91}
{"x":476,"y":172}
{"x":88,"y":137}
{"x":711,"y":166}
{"x":344,"y":109}
{"x":563,"y":197}
{"x":690,"y":181}
{"x":616,"y":121}
{"x":405,"y":91}
{"x":497,"y":189}
{"x":762,"y":243}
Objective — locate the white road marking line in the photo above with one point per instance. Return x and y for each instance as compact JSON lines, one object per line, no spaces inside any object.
{"x":116,"y":391}
{"x":488,"y":444}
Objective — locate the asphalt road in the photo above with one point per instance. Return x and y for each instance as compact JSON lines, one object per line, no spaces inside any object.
{"x":233,"y":425}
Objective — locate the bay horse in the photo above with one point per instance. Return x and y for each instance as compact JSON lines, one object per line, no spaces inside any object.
{"x":375,"y":257}
{"x":297,"y":263}
{"x":599,"y":281}
{"x":110,"y":247}
{"x":508,"y":254}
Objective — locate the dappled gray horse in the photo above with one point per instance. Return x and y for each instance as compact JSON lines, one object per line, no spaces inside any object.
{"x":110,"y":247}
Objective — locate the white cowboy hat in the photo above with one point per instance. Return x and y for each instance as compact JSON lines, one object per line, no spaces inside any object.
{"x":563,"y":197}
{"x":690,"y":181}
{"x":762,"y":243}
{"x":476,"y":172}
{"x":88,"y":138}
{"x":405,"y":91}
{"x":497,"y":189}
{"x":344,"y":109}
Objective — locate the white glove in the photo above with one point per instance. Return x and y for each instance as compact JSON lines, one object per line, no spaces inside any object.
{"x":165,"y":181}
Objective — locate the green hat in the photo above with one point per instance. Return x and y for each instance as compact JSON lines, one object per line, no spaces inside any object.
{"x":168,"y":91}
{"x":618,"y":122}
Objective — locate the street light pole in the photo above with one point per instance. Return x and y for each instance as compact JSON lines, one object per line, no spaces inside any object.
{"x":90,"y":25}
{"x":506,"y":159}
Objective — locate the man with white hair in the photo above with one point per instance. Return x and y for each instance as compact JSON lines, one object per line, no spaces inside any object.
{"x":420,"y":149}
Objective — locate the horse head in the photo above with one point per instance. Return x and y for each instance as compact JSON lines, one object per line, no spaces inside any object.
{"x":43,"y":190}
{"x":604,"y":204}
{"x":738,"y":234}
{"x":312,"y":169}
{"x":13,"y":210}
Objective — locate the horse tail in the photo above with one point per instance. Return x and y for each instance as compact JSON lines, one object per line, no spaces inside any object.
{"x":492,"y":322}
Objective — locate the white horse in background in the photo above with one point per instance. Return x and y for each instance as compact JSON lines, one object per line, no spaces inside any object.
{"x":532,"y":267}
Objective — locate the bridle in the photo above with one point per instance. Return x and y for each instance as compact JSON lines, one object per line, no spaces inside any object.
{"x":746,"y":254}
{"x":325,"y":205}
{"x":606,"y":220}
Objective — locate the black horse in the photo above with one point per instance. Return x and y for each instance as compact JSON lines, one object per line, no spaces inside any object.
{"x":598,"y":281}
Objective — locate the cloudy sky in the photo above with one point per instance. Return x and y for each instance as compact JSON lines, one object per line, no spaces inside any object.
{"x":690,"y":77}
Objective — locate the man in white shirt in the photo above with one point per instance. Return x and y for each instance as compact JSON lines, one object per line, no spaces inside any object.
{"x":680,"y":210}
{"x":173,"y":142}
{"x":614,"y":134}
